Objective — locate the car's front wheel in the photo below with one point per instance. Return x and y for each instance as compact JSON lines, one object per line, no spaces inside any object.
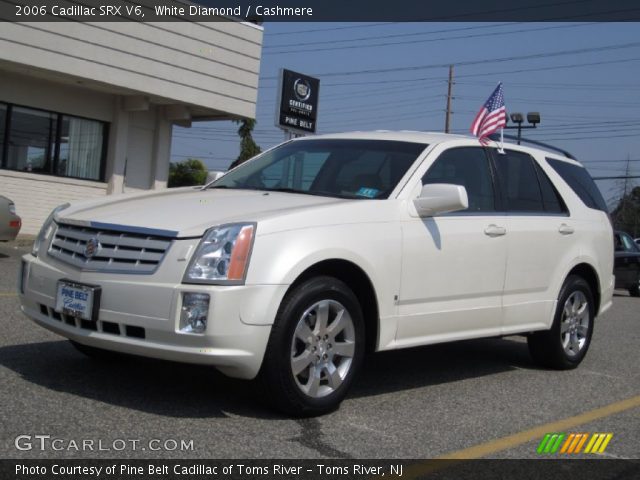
{"x":315,"y":348}
{"x":566,"y":344}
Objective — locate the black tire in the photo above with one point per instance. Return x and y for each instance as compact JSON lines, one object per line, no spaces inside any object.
{"x":99,"y":354}
{"x":286,"y":390}
{"x":635,"y":290}
{"x":551,"y":348}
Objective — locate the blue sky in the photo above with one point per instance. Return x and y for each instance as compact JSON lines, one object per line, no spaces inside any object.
{"x":583,"y":78}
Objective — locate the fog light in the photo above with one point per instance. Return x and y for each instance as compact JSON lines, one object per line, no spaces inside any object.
{"x":195,"y":309}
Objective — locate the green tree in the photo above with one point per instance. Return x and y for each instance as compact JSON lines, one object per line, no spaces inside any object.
{"x":186,"y":173}
{"x":248,"y":147}
{"x":626,"y":215}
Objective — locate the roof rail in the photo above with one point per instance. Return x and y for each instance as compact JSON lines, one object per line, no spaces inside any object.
{"x":496,"y":137}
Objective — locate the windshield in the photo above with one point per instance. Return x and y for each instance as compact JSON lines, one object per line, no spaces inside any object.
{"x":624,"y":243}
{"x":363,"y":169}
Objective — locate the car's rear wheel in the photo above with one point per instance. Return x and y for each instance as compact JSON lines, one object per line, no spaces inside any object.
{"x":315,"y":348}
{"x":634,"y":291}
{"x":566,"y":344}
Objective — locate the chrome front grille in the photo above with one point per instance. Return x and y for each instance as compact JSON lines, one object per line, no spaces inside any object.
{"x":114,"y":251}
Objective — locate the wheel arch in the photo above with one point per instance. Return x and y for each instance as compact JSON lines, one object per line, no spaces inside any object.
{"x":361,"y":285}
{"x":589,"y":274}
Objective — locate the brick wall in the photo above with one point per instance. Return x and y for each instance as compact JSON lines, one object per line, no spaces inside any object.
{"x":36,"y":195}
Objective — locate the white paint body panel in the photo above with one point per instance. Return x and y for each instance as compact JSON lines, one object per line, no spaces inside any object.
{"x":435,"y":279}
{"x":452,"y":279}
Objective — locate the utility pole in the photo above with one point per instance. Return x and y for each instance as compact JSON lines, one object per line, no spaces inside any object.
{"x":447,"y":123}
{"x":625,"y":192}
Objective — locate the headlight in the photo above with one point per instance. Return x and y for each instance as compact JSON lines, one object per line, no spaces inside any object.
{"x":45,"y":231}
{"x":223,"y":255}
{"x":12,"y":208}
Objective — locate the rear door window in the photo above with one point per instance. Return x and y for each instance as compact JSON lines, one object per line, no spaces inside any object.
{"x":580,"y":182}
{"x":519,"y":182}
{"x":524,"y":185}
{"x":551,"y":199}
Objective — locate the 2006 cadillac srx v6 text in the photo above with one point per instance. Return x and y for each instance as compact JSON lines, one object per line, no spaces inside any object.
{"x":293,"y":264}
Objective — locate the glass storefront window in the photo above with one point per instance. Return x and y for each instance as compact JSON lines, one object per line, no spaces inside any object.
{"x":81,"y":144}
{"x":31,"y":140}
{"x":51,"y":143}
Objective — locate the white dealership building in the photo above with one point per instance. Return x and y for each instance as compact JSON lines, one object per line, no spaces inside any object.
{"x":87,"y":109}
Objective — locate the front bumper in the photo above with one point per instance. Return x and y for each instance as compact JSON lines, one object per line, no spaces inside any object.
{"x":140,"y":315}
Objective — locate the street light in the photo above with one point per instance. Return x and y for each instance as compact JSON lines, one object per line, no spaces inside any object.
{"x":532,"y":117}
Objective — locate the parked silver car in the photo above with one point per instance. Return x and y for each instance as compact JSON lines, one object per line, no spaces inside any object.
{"x":10,"y":223}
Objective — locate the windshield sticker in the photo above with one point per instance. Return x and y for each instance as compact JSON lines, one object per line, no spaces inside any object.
{"x":367,"y":192}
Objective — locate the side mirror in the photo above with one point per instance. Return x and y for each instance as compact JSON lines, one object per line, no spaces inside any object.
{"x":437,"y":198}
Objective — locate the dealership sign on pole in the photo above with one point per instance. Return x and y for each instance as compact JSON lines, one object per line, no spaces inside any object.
{"x":297,"y":106}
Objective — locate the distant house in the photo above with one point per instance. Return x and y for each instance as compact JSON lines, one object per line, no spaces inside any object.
{"x":87,"y":109}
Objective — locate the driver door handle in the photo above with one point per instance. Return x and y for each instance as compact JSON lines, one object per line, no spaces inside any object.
{"x":565,"y":229}
{"x":495,"y":231}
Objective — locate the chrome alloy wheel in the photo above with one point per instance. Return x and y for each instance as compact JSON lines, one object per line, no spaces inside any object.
{"x":575,"y":323}
{"x":322,"y":348}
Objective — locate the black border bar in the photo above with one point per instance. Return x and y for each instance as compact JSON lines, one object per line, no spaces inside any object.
{"x":557,"y":469}
{"x":260,"y":11}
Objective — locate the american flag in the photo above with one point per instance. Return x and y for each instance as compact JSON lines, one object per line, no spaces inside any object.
{"x":491,"y":116}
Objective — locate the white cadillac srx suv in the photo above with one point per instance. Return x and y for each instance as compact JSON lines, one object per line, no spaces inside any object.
{"x":293,"y":264}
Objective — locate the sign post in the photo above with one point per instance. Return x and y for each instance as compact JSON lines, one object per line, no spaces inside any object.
{"x":297,"y":105}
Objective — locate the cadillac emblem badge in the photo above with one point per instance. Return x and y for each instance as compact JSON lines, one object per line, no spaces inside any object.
{"x":302,"y":89}
{"x":92,"y":247}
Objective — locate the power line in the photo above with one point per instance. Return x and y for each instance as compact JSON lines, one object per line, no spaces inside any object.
{"x":619,"y":177}
{"x":608,"y":161}
{"x":468,"y":75}
{"x":511,"y":58}
{"x":424,"y":40}
{"x":560,"y":86}
{"x":590,"y":137}
{"x":350,"y":27}
{"x":395,"y":35}
{"x":569,"y":103}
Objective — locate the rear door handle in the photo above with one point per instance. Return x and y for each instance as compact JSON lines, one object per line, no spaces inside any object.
{"x":565,"y":229}
{"x":495,"y":231}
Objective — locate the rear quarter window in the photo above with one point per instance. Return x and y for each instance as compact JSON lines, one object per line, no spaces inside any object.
{"x":580,"y":182}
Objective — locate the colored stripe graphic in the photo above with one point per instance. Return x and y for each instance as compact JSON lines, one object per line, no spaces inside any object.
{"x":598,"y":442}
{"x":583,"y":439}
{"x":550,"y":443}
{"x":558,"y":442}
{"x":543,"y":443}
{"x":574,"y":442}
{"x":565,"y":447}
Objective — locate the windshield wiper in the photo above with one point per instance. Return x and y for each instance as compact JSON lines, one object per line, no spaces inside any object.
{"x":286,"y":190}
{"x":316,"y":193}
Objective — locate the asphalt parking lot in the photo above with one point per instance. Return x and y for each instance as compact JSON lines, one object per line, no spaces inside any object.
{"x":480,"y":398}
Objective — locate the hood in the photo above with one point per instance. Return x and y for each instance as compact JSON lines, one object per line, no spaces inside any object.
{"x":187,"y":212}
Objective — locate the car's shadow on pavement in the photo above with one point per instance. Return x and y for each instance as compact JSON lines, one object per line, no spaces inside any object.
{"x":398,"y":370}
{"x":193,"y":391}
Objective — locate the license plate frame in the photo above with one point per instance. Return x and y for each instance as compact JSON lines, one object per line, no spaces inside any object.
{"x":78,"y":300}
